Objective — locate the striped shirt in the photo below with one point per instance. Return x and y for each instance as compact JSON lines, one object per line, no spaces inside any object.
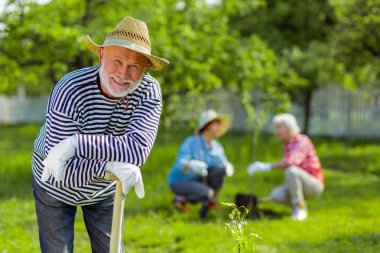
{"x":106,"y":129}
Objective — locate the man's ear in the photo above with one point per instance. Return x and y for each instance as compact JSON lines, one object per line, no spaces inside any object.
{"x":100,"y":54}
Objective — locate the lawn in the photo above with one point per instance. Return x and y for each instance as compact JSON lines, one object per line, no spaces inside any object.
{"x":344,"y":219}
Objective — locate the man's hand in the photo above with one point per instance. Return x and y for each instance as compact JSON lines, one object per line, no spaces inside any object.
{"x":229,"y":169}
{"x":129,"y":176}
{"x":54,"y":164}
{"x":258,"y":166}
{"x":198,"y":167}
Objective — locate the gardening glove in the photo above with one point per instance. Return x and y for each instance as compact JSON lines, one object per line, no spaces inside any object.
{"x":258,"y":166}
{"x":198,"y":167}
{"x":129,"y":176}
{"x":54,"y":164}
{"x":229,"y":169}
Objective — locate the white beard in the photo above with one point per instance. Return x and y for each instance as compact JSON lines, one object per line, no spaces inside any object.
{"x":117,"y":92}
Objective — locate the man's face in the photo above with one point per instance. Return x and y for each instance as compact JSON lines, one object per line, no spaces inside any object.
{"x":121,"y":70}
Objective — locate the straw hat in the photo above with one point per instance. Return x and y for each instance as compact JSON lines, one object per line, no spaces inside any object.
{"x":211,"y":115}
{"x":132,"y":34}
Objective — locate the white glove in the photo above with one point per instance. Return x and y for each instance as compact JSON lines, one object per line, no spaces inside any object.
{"x":129,"y":176}
{"x":229,"y":169}
{"x":54,"y":164}
{"x":258,"y":166}
{"x":198,"y":167}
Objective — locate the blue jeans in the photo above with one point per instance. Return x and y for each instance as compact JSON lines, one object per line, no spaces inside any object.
{"x":195,"y":191}
{"x":56,"y":223}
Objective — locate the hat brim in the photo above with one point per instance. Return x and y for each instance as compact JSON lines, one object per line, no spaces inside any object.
{"x":157,"y":63}
{"x":225,"y":122}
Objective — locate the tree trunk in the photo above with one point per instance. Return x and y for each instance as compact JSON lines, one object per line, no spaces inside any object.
{"x":79,"y":61}
{"x":255,"y":138}
{"x":87,"y":13}
{"x":307,"y":111}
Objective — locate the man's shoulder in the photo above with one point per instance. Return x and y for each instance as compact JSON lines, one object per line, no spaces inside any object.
{"x":80,"y":75}
{"x":77,"y":78}
{"x":72,"y":86}
{"x":149,"y":88}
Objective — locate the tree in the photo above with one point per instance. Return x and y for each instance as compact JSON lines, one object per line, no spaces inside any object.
{"x":297,"y":31}
{"x":357,"y":41}
{"x":325,"y":42}
{"x":204,"y":50}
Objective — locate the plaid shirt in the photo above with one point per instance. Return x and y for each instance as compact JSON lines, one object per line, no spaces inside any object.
{"x":300,"y":152}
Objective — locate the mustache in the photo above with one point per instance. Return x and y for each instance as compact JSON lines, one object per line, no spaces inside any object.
{"x":122,"y":81}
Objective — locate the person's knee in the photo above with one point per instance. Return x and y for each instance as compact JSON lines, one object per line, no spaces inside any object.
{"x":277,"y":195}
{"x":291,"y":172}
{"x":218,"y":170}
{"x":274,"y":195}
{"x":205,"y":194}
{"x":315,"y":192}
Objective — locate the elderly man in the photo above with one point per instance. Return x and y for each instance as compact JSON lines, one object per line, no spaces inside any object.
{"x":302,"y":169}
{"x":101,"y":118}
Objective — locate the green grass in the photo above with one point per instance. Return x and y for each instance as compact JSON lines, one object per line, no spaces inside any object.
{"x":344,"y":219}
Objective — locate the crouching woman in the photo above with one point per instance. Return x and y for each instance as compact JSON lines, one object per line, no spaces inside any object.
{"x":201,"y":164}
{"x":302,"y":168}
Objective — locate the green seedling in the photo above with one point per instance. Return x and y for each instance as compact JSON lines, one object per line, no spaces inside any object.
{"x":237,"y":226}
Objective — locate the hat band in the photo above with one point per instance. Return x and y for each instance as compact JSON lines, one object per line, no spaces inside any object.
{"x":127,"y":44}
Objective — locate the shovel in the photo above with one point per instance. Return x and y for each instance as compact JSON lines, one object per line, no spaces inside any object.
{"x":117,"y":215}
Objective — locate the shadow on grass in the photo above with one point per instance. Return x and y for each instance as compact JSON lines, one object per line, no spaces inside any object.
{"x":364,"y":163}
{"x":270,"y":214}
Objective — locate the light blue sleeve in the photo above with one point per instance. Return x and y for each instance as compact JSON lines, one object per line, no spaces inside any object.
{"x":220,"y":152}
{"x":185,"y":153}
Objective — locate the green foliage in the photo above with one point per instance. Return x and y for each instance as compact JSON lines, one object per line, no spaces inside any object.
{"x":322,"y":42}
{"x":279,"y":49}
{"x":205,"y":51}
{"x":357,"y":40}
{"x":238,"y":228}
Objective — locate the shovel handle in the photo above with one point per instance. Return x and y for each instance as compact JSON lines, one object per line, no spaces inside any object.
{"x":117,"y":215}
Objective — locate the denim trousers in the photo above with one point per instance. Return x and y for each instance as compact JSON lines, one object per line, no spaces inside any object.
{"x":56,"y":223}
{"x":195,"y":191}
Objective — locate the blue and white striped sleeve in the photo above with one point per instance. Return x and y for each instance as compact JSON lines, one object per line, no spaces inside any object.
{"x":132,"y":147}
{"x":78,"y":171}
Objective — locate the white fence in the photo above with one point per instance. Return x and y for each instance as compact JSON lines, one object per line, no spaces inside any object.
{"x":335,"y":112}
{"x":348,"y":113}
{"x":22,"y":110}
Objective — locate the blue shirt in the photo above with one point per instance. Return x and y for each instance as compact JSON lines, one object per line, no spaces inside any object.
{"x":194,"y":147}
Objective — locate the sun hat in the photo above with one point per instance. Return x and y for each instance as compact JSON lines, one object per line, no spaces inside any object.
{"x":132,"y":34}
{"x":211,"y":115}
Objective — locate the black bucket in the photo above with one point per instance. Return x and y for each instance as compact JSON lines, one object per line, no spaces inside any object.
{"x":248,"y":201}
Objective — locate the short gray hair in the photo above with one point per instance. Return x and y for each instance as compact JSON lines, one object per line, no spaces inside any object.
{"x":288,"y":120}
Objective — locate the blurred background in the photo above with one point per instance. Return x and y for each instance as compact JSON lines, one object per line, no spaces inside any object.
{"x":319,"y":59}
{"x":250,"y":59}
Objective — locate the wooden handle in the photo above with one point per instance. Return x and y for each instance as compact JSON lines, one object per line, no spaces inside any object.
{"x":117,"y":215}
{"x":110,"y":176}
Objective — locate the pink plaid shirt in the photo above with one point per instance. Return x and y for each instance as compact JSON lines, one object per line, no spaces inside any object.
{"x":300,"y":152}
